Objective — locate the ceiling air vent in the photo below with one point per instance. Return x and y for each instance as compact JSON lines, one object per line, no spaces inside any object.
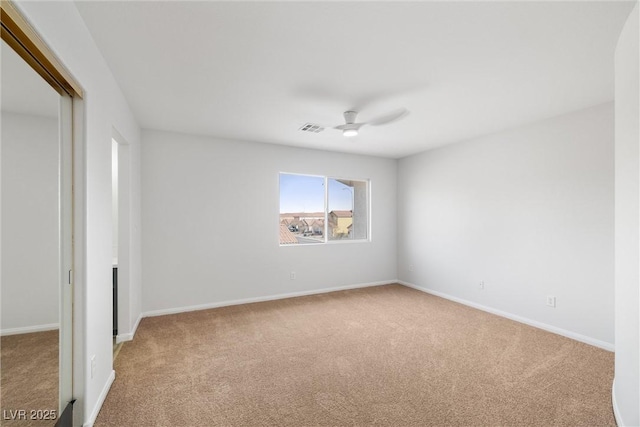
{"x":310,"y":127}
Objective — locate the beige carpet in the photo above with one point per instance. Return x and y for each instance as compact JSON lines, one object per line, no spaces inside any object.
{"x":387,"y":355}
{"x":29,"y":379}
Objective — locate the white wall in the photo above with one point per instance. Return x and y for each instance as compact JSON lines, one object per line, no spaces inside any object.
{"x":29,"y":223}
{"x":626,"y":391}
{"x":104,"y":108}
{"x":210,"y":222}
{"x":528,"y":211}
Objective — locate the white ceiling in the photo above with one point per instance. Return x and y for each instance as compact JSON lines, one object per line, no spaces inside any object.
{"x":258,"y":71}
{"x":23,"y":90}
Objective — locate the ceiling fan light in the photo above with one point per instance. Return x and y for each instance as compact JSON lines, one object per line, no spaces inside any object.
{"x":350,"y":132}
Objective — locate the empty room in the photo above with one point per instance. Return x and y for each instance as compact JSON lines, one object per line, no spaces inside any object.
{"x":315,"y":213}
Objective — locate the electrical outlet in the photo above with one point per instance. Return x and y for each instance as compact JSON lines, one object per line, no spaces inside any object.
{"x":482,"y":286}
{"x":411,"y":267}
{"x":292,"y":275}
{"x":551,"y":301}
{"x":93,"y":365}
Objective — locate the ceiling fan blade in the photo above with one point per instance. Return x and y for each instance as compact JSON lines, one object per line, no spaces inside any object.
{"x":355,"y":126}
{"x":389,"y":118}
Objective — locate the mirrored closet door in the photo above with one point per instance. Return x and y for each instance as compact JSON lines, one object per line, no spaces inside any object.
{"x":35,"y":247}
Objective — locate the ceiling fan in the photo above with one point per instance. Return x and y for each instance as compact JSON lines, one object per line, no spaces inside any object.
{"x":351,"y":128}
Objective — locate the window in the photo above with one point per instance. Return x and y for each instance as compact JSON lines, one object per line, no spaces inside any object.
{"x":317,"y":209}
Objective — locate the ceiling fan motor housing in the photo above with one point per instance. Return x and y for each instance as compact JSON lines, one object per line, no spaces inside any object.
{"x":350,"y":116}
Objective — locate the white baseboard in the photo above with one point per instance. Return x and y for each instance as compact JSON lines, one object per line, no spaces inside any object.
{"x":103,"y":395}
{"x":30,"y":329}
{"x":129,"y":336}
{"x":163,"y":312}
{"x":559,"y":331}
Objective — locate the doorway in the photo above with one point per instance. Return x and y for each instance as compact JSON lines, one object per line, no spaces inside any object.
{"x":121,"y":238}
{"x":114,"y":236}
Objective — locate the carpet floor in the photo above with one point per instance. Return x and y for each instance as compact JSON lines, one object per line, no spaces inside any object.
{"x":386,"y":355}
{"x":29,"y":377}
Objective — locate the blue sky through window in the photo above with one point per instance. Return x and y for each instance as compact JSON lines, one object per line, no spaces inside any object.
{"x":304,"y":193}
{"x":340,"y":196}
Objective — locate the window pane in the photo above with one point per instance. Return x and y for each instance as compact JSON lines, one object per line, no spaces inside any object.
{"x":301,"y":209}
{"x":347,"y":209}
